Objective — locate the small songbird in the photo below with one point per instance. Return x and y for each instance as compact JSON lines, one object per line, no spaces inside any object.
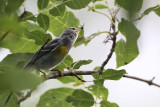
{"x":53,"y":52}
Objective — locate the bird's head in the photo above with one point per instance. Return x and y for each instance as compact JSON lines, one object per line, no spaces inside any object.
{"x":71,"y":33}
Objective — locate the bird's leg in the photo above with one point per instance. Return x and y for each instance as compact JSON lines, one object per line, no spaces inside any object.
{"x":43,"y":74}
{"x":58,"y":71}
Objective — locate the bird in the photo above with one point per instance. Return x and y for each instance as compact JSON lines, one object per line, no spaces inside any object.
{"x":53,"y":52}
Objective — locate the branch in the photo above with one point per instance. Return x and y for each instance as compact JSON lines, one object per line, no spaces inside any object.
{"x":109,"y":55}
{"x":149,"y":82}
{"x":72,"y":73}
{"x":113,"y":38}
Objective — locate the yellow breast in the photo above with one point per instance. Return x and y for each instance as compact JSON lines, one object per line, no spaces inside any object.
{"x":62,"y":50}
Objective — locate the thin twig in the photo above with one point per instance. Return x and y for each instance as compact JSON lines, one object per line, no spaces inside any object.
{"x":8,"y":98}
{"x":104,"y":15}
{"x":75,"y":74}
{"x":89,"y":38}
{"x":4,"y":35}
{"x":114,"y":34}
{"x":78,"y":77}
{"x":24,"y":97}
{"x":109,"y":55}
{"x":149,"y":82}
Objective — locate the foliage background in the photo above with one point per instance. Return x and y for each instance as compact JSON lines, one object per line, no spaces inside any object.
{"x":126,"y":93}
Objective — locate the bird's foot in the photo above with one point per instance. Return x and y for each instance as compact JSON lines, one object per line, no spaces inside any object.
{"x":58,"y":71}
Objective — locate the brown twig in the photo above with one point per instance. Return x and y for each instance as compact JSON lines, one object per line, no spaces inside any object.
{"x":109,"y":55}
{"x":8,"y":98}
{"x":113,"y":35}
{"x":76,"y":75}
{"x":4,"y":35}
{"x":149,"y":82}
{"x":69,"y":73}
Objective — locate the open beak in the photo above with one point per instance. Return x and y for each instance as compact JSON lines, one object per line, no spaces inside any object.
{"x":79,"y":29}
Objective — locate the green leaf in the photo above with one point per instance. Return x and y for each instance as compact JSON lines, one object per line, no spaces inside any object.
{"x":147,"y":11}
{"x":2,"y":6}
{"x":43,"y":21}
{"x":98,"y":89}
{"x":12,"y":102}
{"x":18,"y":80}
{"x":42,"y":4}
{"x":111,"y":74}
{"x":13,"y":5}
{"x":58,"y":24}
{"x":29,"y":16}
{"x":32,"y":26}
{"x":130,"y":5}
{"x":39,"y":37}
{"x":56,"y":98}
{"x":108,"y":104}
{"x":97,"y":75}
{"x":71,"y":79}
{"x":127,"y":51}
{"x":78,"y":4}
{"x":13,"y":76}
{"x":13,"y":60}
{"x":157,"y":11}
{"x":79,"y":63}
{"x":96,"y":0}
{"x":100,"y":6}
{"x":58,"y":10}
{"x":10,"y":24}
{"x":19,"y":44}
{"x":81,"y":98}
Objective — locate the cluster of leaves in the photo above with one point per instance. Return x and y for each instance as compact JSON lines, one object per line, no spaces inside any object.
{"x":24,"y":34}
{"x":80,"y":98}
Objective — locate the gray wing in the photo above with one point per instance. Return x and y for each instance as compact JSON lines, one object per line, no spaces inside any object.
{"x":45,"y":49}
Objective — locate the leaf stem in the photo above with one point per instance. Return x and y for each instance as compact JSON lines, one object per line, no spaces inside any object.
{"x":104,"y":15}
{"x":143,"y":14}
{"x":149,"y":82}
{"x":95,"y":35}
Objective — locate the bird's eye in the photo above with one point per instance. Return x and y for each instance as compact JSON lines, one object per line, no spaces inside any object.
{"x":72,"y":37}
{"x":73,"y":28}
